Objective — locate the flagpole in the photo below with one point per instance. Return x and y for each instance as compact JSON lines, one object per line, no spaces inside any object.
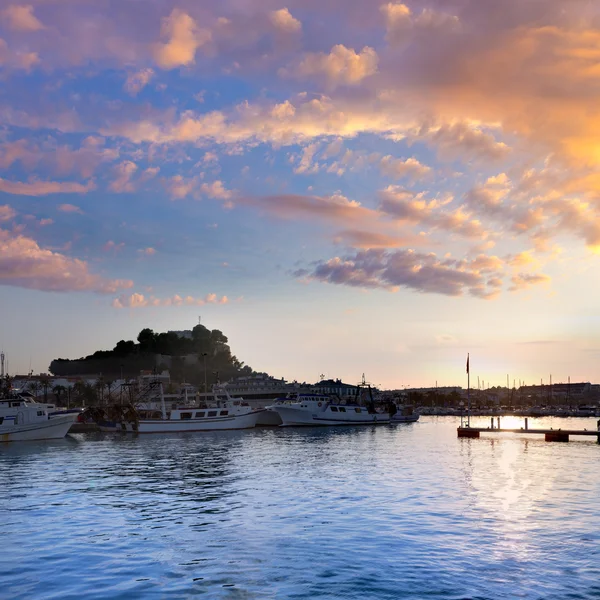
{"x":468,"y":393}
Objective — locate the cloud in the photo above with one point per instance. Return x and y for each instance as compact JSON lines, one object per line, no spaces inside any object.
{"x":21,"y":18}
{"x":137,"y":81}
{"x":306,"y":165}
{"x":342,"y":66}
{"x":122,"y":183}
{"x":461,"y":140}
{"x":336,"y":208}
{"x":7,"y":212}
{"x":398,"y":168}
{"x":184,"y":38}
{"x":147,"y":251}
{"x":398,"y":20}
{"x":356,"y":238}
{"x":391,"y":270}
{"x":523,"y":281}
{"x":17,"y":60}
{"x":137,"y":300}
{"x":60,"y":159}
{"x":23,"y":263}
{"x":112,"y":246}
{"x":43,"y":188}
{"x":283,"y":21}
{"x":70,"y":208}
{"x":402,"y":25}
{"x":216,"y":190}
{"x":405,"y":205}
{"x":179,"y":187}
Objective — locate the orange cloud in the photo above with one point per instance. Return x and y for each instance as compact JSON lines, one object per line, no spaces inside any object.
{"x":283,"y":21}
{"x":342,"y":66}
{"x":184,"y":38}
{"x":398,"y":168}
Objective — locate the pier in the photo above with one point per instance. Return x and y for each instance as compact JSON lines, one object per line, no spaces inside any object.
{"x":550,"y":435}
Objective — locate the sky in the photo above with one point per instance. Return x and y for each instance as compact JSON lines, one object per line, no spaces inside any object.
{"x":342,"y":187}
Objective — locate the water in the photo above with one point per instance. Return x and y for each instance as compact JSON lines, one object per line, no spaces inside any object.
{"x":384,"y":512}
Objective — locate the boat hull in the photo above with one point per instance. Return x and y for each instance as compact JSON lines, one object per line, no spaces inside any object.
{"x":293,"y":417}
{"x":404,"y":419}
{"x":246,"y":421}
{"x":52,"y":429}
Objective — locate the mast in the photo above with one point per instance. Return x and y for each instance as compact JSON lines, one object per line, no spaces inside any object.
{"x":162,"y":402}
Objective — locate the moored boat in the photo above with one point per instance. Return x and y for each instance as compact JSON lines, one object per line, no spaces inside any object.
{"x":317,"y":409}
{"x":22,"y":420}
{"x":224,"y":413}
{"x":404,"y":414}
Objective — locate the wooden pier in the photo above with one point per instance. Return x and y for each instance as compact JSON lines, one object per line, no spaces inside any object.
{"x":550,"y":435}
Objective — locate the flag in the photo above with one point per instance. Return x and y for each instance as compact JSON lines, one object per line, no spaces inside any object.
{"x":467,"y":363}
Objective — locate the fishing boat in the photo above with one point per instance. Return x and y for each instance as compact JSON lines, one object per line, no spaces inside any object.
{"x":224,"y":412}
{"x":321,"y":409}
{"x":22,"y":419}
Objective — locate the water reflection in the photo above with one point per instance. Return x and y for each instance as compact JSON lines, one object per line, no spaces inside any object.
{"x":378,"y":512}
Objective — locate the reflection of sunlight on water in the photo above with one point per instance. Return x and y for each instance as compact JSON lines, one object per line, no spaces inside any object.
{"x":509,"y":489}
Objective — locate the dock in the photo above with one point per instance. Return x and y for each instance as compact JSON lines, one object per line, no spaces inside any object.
{"x":550,"y":435}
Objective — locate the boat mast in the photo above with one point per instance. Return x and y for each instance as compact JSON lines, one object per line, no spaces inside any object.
{"x":162,"y":402}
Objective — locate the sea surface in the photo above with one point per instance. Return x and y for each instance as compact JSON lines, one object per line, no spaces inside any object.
{"x":407,"y":511}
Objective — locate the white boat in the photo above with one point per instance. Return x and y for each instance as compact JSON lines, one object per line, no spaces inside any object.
{"x":259,"y":391}
{"x":224,"y":413}
{"x":404,"y":414}
{"x":317,"y":409}
{"x":22,"y":419}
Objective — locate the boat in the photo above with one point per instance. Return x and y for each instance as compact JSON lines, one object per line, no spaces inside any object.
{"x":322,"y":409}
{"x":22,"y":419}
{"x":224,"y":412}
{"x":404,"y":414}
{"x":318,"y":409}
{"x":259,"y":391}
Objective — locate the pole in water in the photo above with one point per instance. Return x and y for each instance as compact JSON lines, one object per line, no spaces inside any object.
{"x":468,"y":393}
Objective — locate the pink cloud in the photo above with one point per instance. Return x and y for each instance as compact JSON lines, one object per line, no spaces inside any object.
{"x":23,"y":263}
{"x":21,"y":18}
{"x":137,"y":300}
{"x":69,"y":208}
{"x":7,"y":212}
{"x":137,"y":81}
{"x":111,"y":246}
{"x":43,"y":188}
{"x":123,"y":174}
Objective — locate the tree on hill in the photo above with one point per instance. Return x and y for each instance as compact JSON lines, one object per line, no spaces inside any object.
{"x":188,"y":356}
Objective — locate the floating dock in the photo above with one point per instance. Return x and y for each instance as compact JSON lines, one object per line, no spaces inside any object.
{"x":550,"y":435}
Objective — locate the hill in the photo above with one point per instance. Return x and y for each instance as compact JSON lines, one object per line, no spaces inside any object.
{"x":184,"y":353}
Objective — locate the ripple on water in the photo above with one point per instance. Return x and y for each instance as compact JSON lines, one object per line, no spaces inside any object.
{"x":382,"y":512}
